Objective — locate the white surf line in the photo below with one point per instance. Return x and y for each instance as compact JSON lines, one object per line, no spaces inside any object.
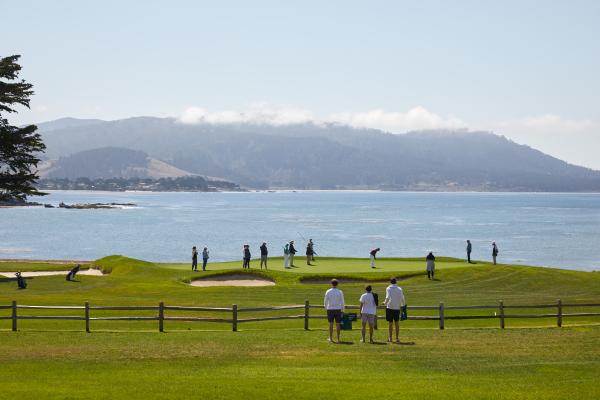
{"x":29,"y":274}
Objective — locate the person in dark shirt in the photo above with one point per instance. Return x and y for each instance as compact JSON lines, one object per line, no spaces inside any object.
{"x":469,"y":248}
{"x":494,"y":252}
{"x":194,"y":259}
{"x":430,"y":265}
{"x":293,"y":251}
{"x":373,"y":255}
{"x":264,"y":253}
{"x":247,"y":256}
{"x":310,"y":252}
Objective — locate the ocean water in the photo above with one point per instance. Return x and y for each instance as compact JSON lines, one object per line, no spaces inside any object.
{"x":558,"y":230}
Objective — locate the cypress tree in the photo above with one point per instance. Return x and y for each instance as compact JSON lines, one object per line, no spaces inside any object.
{"x":19,"y":146}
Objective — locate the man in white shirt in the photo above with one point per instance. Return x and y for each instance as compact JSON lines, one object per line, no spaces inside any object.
{"x":394,"y":301}
{"x":334,"y":304}
{"x":368,"y":310}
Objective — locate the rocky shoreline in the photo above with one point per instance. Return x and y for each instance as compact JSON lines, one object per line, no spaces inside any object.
{"x":77,"y":206}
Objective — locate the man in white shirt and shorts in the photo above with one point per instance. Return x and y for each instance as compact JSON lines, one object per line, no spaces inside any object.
{"x":334,"y":304}
{"x":394,"y":301}
{"x":368,"y":311}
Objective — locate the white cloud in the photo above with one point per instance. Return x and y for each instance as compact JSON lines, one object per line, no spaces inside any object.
{"x":417,"y":118}
{"x":259,"y":113}
{"x":397,"y":122}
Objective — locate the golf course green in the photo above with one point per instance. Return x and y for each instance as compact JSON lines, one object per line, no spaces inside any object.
{"x":473,"y":358}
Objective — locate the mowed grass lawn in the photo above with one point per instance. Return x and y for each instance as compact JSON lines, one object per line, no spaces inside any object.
{"x":532,"y":359}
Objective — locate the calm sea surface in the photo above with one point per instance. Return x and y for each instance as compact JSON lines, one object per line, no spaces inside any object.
{"x":561,"y":230}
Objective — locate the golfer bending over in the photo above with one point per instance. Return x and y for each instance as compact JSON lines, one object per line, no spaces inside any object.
{"x":394,"y":300}
{"x":334,"y":304}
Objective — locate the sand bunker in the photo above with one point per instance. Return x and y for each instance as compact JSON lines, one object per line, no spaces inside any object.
{"x":29,"y":274}
{"x":232,"y":280}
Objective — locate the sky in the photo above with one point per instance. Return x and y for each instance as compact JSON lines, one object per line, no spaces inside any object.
{"x":528,"y":70}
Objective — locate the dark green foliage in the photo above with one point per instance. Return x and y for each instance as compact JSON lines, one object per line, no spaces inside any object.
{"x":19,"y":146}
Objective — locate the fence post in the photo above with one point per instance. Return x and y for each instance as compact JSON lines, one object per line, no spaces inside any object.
{"x":441,"y":315}
{"x":501,"y":310}
{"x":87,"y":316}
{"x":161,"y":316}
{"x":559,"y":313}
{"x":306,"y":316}
{"x":234,"y":319}
{"x":14,"y":315}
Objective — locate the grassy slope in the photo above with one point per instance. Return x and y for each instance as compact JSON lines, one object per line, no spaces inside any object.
{"x":482,"y":364}
{"x":288,"y":362}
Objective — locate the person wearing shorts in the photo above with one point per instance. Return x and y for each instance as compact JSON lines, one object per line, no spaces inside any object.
{"x":394,"y":301}
{"x":334,"y":304}
{"x":368,"y":311}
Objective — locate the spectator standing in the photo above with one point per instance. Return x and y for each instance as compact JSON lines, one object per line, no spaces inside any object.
{"x":264,"y":254}
{"x":368,"y":312}
{"x":430,"y":265}
{"x":247,"y":256}
{"x":194,"y":259}
{"x":334,"y":304}
{"x":292,"y":251}
{"x":469,"y":248}
{"x":204,"y":258}
{"x":494,"y":252}
{"x":310,"y":252}
{"x":394,"y":301}
{"x":373,"y":256}
{"x":286,"y":256}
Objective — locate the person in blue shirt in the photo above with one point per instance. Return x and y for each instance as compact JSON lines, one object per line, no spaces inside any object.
{"x":204,"y":258}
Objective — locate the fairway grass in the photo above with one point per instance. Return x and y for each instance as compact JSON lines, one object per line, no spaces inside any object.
{"x":471,"y":359}
{"x":546,"y":363}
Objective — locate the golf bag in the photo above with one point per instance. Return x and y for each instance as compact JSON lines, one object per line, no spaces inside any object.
{"x":21,"y":281}
{"x":73,"y":272}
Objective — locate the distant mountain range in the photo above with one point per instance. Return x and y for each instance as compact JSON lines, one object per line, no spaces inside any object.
{"x":305,"y":156}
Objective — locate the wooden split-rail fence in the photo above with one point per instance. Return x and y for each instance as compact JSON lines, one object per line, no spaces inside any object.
{"x":502,"y":312}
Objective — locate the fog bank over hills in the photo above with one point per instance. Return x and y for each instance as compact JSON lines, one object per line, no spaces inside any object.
{"x":321,"y":156}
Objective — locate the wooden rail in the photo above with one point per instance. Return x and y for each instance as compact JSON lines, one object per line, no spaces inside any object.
{"x":234,"y":310}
